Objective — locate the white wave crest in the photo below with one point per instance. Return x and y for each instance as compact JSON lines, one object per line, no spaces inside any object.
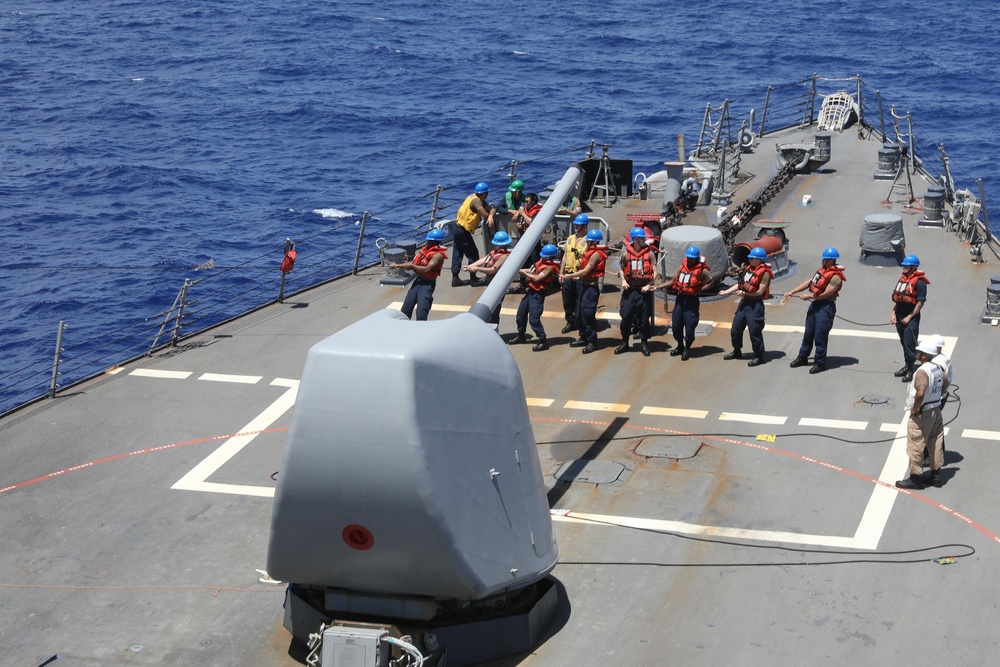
{"x":331,"y":213}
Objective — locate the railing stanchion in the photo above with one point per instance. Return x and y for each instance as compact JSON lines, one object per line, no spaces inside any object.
{"x":182,"y":300}
{"x":54,"y":385}
{"x":361,"y":240}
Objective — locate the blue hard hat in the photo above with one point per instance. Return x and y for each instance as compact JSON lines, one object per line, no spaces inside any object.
{"x":693,"y":252}
{"x":550,"y":250}
{"x":435,"y":235}
{"x":831,"y":253}
{"x":482,"y":187}
{"x":637,"y":233}
{"x":581,"y":219}
{"x":595,"y":235}
{"x":501,"y":238}
{"x":910,"y":260}
{"x":757,"y":253}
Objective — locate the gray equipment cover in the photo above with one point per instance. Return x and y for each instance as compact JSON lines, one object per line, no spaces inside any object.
{"x":882,"y":232}
{"x":417,"y":435}
{"x":675,"y":241}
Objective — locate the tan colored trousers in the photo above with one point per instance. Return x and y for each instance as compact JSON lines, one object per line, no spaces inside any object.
{"x":925,"y":430}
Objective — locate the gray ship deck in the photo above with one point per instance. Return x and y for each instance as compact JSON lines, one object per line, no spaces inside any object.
{"x":137,"y":506}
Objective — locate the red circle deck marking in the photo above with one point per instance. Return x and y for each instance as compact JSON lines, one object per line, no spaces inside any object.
{"x":774,"y":450}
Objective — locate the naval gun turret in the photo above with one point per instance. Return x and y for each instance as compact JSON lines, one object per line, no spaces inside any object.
{"x":410,"y":497}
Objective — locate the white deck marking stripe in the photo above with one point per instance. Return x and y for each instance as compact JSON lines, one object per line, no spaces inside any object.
{"x":891,"y":428}
{"x":240,"y":379}
{"x":710,"y":531}
{"x":195,"y":479}
{"x":601,"y":407}
{"x":879,"y":507}
{"x":833,"y":423}
{"x":981,"y":435}
{"x":540,"y":402}
{"x":673,"y":412}
{"x":153,"y":373}
{"x":753,"y":419}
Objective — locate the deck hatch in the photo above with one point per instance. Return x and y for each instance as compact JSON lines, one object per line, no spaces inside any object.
{"x":594,"y":472}
{"x":668,"y":447}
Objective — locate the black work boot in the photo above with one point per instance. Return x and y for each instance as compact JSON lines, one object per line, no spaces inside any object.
{"x":457,"y":282}
{"x":624,"y":347}
{"x":935,"y":479}
{"x":798,"y":361}
{"x":541,"y":345}
{"x":902,"y":371}
{"x":735,"y":354}
{"x":757,"y":360}
{"x":913,"y":482}
{"x":644,"y":347}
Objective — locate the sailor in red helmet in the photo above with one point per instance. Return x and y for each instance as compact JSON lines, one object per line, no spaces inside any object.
{"x":690,"y":280}
{"x":589,"y":275}
{"x":754,"y":285}
{"x":638,"y":275}
{"x":823,"y":288}
{"x":907,"y":301}
{"x":427,"y":264}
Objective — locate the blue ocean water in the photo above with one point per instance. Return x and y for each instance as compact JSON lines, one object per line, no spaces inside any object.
{"x":142,"y":139}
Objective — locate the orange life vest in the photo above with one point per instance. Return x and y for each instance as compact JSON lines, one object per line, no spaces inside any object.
{"x":822,"y":279}
{"x":424,"y":256}
{"x":495,"y":255}
{"x":750,"y":280}
{"x":689,"y":280}
{"x":906,"y":288}
{"x":540,"y":266}
{"x":638,"y":263}
{"x":598,"y":271}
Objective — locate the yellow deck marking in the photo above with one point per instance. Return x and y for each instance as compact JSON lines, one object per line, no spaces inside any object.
{"x":153,"y":373}
{"x":539,"y":402}
{"x":239,"y":379}
{"x":833,"y":423}
{"x":600,"y":407}
{"x":981,"y":435}
{"x":751,"y":418}
{"x":673,"y":412}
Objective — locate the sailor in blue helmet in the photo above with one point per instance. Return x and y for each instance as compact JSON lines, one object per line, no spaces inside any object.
{"x":908,"y":299}
{"x":573,"y":251}
{"x":638,"y":276}
{"x":427,"y":264}
{"x":589,"y":275}
{"x":691,"y":279}
{"x":541,"y":279}
{"x":754,"y":285}
{"x":491,"y":263}
{"x":823,"y":289}
{"x":473,"y":211}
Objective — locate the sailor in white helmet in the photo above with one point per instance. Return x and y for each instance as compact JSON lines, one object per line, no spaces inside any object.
{"x":925,"y":427}
{"x":944,"y":362}
{"x":941,"y":359}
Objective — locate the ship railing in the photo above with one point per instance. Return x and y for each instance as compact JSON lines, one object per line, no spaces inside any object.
{"x":215,"y":295}
{"x":795,"y":105}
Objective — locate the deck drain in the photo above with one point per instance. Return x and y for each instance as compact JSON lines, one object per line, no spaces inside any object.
{"x":875,"y":399}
